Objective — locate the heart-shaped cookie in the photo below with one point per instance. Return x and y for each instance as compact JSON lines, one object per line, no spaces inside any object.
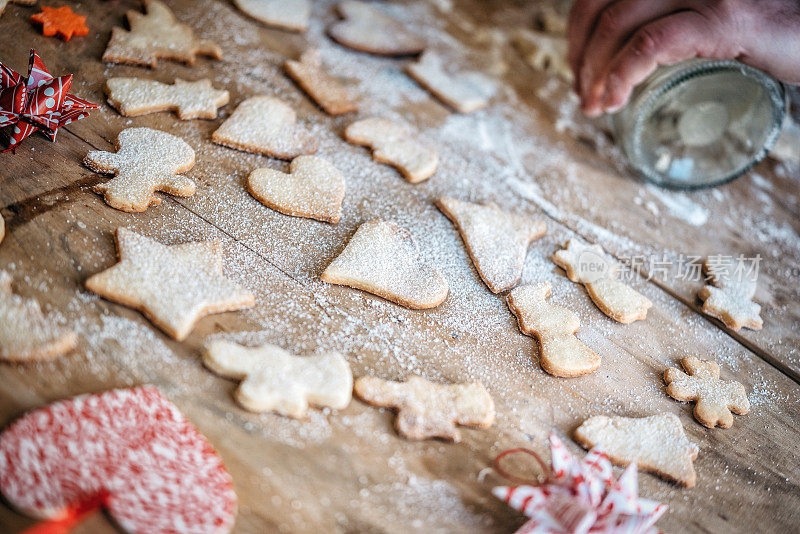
{"x":367,"y":29}
{"x":314,"y":188}
{"x":287,"y":14}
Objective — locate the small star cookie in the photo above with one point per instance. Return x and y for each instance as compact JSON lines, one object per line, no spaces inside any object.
{"x":173,"y":286}
{"x":323,"y":88}
{"x":426,"y":410}
{"x":715,"y":398}
{"x":274,"y":380}
{"x":27,"y":334}
{"x":729,"y":298}
{"x":287,"y":14}
{"x":367,"y":29}
{"x":146,"y":161}
{"x":157,"y":34}
{"x":465,"y":92}
{"x":265,"y":125}
{"x":382,"y":258}
{"x":61,"y":21}
{"x":190,"y":100}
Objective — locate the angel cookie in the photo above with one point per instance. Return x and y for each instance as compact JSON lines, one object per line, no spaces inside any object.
{"x":265,"y":125}
{"x":426,"y":410}
{"x":190,"y":100}
{"x":323,"y":88}
{"x":173,"y":286}
{"x":560,"y":352}
{"x":155,"y":35}
{"x":497,"y":241}
{"x":274,"y":380}
{"x":146,"y":161}
{"x":589,"y":265}
{"x":367,"y":29}
{"x":286,"y":14}
{"x":463,"y":91}
{"x":396,"y":145}
{"x":382,"y":258}
{"x":729,"y":296}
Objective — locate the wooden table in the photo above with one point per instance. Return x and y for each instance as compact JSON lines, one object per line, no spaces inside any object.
{"x":349,"y":471}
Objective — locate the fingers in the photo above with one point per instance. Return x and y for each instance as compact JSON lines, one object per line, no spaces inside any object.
{"x":579,"y":25}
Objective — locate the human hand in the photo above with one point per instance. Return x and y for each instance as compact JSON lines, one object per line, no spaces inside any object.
{"x":616,"y":44}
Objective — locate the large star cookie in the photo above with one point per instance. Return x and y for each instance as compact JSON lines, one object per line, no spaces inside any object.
{"x":368,"y":29}
{"x":173,"y":286}
{"x":729,"y":297}
{"x":190,"y":100}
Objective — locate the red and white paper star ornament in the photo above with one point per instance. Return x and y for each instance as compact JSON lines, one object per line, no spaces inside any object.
{"x":582,"y":497}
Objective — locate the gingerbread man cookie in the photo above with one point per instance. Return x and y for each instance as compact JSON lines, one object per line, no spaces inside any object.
{"x":715,"y":398}
{"x":146,"y":161}
{"x":314,"y":188}
{"x":426,"y":410}
{"x":174,"y":286}
{"x":323,"y":88}
{"x":286,"y":14}
{"x":729,"y":298}
{"x":274,"y":380}
{"x":155,"y":35}
{"x":589,"y":265}
{"x":561,"y":353}
{"x":190,"y":100}
{"x":496,"y":241}
{"x":27,"y":334}
{"x":265,"y":125}
{"x":366,"y":28}
{"x":656,"y":443}
{"x":382,"y":258}
{"x":463,"y":91}
{"x":394,"y":144}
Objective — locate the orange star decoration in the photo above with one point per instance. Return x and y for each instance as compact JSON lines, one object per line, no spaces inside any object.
{"x":61,"y":21}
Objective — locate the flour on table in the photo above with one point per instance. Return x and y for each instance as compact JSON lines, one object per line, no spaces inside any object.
{"x":190,"y":100}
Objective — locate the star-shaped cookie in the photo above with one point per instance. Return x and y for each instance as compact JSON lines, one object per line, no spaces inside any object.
{"x":61,"y":21}
{"x":173,"y":286}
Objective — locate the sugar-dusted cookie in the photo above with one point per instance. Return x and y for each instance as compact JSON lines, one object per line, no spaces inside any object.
{"x":314,"y":188}
{"x":590,"y":266}
{"x":657,"y":443}
{"x":274,"y":380}
{"x":715,"y":398}
{"x":287,"y":14}
{"x":27,"y":334}
{"x":560,"y":352}
{"x":729,"y":297}
{"x":323,"y":88}
{"x":544,"y":52}
{"x":155,"y":35}
{"x":4,"y":3}
{"x":190,"y":100}
{"x":497,"y":241}
{"x":427,"y":410}
{"x":132,"y":450}
{"x":173,"y":286}
{"x":394,"y":144}
{"x":61,"y":22}
{"x":463,"y":91}
{"x":367,"y":28}
{"x":265,"y":125}
{"x":146,"y":161}
{"x":382,"y":258}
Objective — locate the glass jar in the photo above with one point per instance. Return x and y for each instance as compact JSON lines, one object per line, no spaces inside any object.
{"x":700,"y":123}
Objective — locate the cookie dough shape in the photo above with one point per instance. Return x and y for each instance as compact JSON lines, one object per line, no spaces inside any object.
{"x":323,"y":88}
{"x":465,"y":92}
{"x":544,"y":52}
{"x":657,"y":443}
{"x":382,"y":258}
{"x":27,"y":334}
{"x":715,"y":398}
{"x":160,"y":474}
{"x":497,"y":241}
{"x":190,"y":100}
{"x":157,"y":34}
{"x":265,"y":125}
{"x":394,"y":144}
{"x":366,"y":28}
{"x":173,"y":286}
{"x":729,"y":297}
{"x":314,"y":188}
{"x":4,"y":3}
{"x":554,"y":327}
{"x":274,"y":380}
{"x":590,"y":266}
{"x":146,"y":161}
{"x":287,"y":14}
{"x":426,"y":410}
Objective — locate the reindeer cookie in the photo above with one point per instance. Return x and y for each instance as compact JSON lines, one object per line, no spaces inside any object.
{"x":265,"y":125}
{"x":394,"y":144}
{"x":156,"y":35}
{"x":323,"y":88}
{"x":463,"y":91}
{"x":146,"y":161}
{"x":190,"y":100}
{"x":274,"y":380}
{"x":729,"y":298}
{"x":589,"y":265}
{"x":561,"y":353}
{"x":368,"y":29}
{"x":715,"y":398}
{"x":426,"y":410}
{"x":286,"y":14}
